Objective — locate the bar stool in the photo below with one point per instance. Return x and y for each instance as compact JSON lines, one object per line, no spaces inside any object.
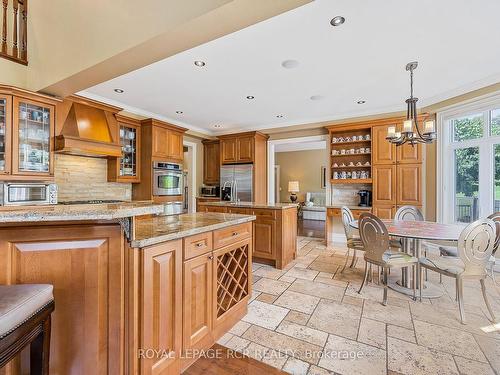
{"x":25,"y":311}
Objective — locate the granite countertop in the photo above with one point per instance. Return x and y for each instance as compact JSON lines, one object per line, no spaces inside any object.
{"x":105,"y":211}
{"x":273,"y":206}
{"x":153,"y":230}
{"x":351,"y":207}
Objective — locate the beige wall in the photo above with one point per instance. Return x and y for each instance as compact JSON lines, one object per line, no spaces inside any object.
{"x":302,"y":166}
{"x":82,"y":178}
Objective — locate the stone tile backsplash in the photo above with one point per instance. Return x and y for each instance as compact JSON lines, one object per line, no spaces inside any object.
{"x":347,"y":194}
{"x":83,"y":178}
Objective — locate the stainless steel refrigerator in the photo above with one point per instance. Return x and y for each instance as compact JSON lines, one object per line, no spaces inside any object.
{"x":236,"y":182}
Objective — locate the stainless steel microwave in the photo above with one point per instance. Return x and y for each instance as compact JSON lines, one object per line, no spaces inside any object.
{"x":22,"y":194}
{"x":167,"y":179}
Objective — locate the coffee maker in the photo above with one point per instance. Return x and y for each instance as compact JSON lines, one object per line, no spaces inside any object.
{"x":365,"y":198}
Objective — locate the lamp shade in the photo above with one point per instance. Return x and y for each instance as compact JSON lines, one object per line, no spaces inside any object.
{"x":293,"y":186}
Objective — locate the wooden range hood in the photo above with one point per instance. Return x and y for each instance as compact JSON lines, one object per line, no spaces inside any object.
{"x":88,"y":128}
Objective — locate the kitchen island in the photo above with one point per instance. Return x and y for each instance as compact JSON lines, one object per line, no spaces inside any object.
{"x":133,"y":290}
{"x":274,"y":230}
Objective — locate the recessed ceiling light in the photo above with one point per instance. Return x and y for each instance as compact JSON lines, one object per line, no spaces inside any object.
{"x":199,"y":63}
{"x":279,"y":116}
{"x":119,"y":91}
{"x":337,"y":21}
{"x":317,"y":97}
{"x":217,"y":126}
{"x":361,"y":101}
{"x":179,"y":112}
{"x":290,"y":64}
{"x":250,"y":97}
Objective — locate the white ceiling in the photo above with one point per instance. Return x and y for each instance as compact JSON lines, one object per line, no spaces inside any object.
{"x":454,"y":41}
{"x":301,"y":146}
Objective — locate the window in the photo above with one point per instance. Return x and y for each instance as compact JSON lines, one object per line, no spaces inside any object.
{"x":469,"y":167}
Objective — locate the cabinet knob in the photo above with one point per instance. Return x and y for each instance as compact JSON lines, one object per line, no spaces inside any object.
{"x":199,"y":244}
{"x":235,"y":233}
{"x":210,"y":257}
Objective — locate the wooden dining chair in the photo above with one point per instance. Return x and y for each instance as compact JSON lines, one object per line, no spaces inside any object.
{"x":352,"y":237}
{"x":475,"y":246}
{"x":375,"y":240}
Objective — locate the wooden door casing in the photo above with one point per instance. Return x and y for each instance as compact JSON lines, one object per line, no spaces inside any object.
{"x":409,"y":180}
{"x":244,"y":147}
{"x":198,"y":302}
{"x":161,"y":307}
{"x":7,"y":136}
{"x":85,"y":264}
{"x":384,"y":187}
{"x":383,"y":152}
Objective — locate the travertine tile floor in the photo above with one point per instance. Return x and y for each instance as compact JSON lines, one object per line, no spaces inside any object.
{"x":309,"y":319}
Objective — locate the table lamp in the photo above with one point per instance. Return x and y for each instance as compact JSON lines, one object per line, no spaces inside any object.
{"x":293,"y":187}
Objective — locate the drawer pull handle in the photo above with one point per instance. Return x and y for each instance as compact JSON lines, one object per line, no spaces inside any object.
{"x":235,"y":234}
{"x":199,"y":244}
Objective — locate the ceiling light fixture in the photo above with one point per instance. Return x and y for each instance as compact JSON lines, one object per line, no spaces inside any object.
{"x":179,"y":112}
{"x":217,"y":126}
{"x":250,"y":97}
{"x":119,"y":91}
{"x":408,"y":135}
{"x":279,"y":116}
{"x":337,"y":21}
{"x":361,"y":102}
{"x":199,"y":63}
{"x":290,"y":64}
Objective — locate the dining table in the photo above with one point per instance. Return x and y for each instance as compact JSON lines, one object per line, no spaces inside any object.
{"x":415,"y":235}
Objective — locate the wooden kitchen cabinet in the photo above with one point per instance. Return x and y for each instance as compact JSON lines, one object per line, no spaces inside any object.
{"x":384,"y":185}
{"x":5,"y":134}
{"x":245,"y":149}
{"x":228,"y":153}
{"x":409,"y":180}
{"x":160,"y":142}
{"x":265,"y":238}
{"x":175,"y":149}
{"x":33,"y":129}
{"x":198,"y":302}
{"x":274,"y":232}
{"x":242,"y":147}
{"x":384,"y":211}
{"x":383,"y":152}
{"x":408,"y":154}
{"x":127,"y":168}
{"x":161,"y":307}
{"x":85,"y":263}
{"x":211,"y":162}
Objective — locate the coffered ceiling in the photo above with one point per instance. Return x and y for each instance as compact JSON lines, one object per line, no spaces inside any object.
{"x":454,"y":41}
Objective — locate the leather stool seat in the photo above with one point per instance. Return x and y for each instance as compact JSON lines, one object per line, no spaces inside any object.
{"x":18,"y":303}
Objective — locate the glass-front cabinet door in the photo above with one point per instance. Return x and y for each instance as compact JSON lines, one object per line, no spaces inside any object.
{"x":32,"y":138}
{"x":128,"y":161}
{"x":5,"y":129}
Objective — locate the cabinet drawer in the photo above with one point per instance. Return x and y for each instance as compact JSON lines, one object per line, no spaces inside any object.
{"x":264,"y":214}
{"x":333,"y":212}
{"x":237,"y":210}
{"x":197,"y":245}
{"x":235,"y":233}
{"x":357,"y":213}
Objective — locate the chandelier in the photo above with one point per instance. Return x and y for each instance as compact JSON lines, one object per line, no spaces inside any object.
{"x":412,"y":134}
